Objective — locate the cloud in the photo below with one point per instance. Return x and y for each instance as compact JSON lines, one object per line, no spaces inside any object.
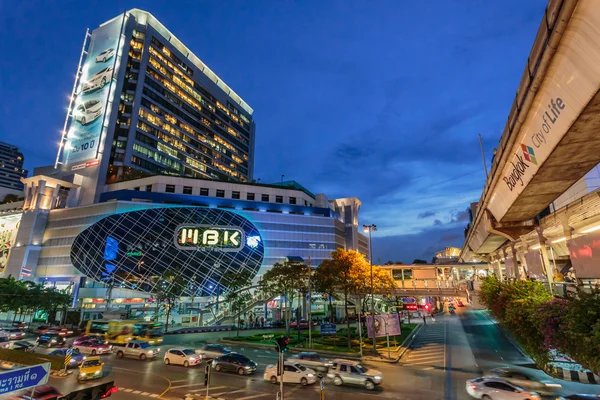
{"x":425,"y":214}
{"x":461,"y":216}
{"x":437,"y":222}
{"x":451,"y":237}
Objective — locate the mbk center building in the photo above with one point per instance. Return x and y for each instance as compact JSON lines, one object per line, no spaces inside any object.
{"x":154,"y":175}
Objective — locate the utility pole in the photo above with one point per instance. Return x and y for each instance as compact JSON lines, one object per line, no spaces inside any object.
{"x":309,"y":305}
{"x":370,"y":229}
{"x":483,"y":155}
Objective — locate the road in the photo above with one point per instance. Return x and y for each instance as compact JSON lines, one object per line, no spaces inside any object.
{"x":442,"y":356}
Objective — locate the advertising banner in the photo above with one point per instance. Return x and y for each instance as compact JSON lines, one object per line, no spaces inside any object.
{"x":584,"y":252}
{"x":90,"y":107}
{"x":389,"y":323}
{"x":9,"y":225}
{"x":534,"y":264}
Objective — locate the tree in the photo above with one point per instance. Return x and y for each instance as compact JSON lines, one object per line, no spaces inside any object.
{"x":237,"y":296}
{"x":286,"y":279}
{"x":167,"y":290}
{"x":419,"y":261}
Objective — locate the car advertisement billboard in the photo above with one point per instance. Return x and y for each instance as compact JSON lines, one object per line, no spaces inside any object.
{"x":385,"y":325}
{"x":93,"y":94}
{"x":9,"y":225}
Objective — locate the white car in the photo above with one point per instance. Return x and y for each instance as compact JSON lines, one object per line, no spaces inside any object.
{"x":105,"y":55}
{"x":88,"y":111}
{"x":13,"y":333}
{"x":493,"y":388}
{"x":522,"y":378}
{"x":181,"y":356}
{"x":292,"y":373}
{"x":98,"y":80}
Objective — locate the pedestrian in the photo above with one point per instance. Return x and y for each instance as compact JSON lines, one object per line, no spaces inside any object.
{"x":424,"y":320}
{"x":262,"y":322}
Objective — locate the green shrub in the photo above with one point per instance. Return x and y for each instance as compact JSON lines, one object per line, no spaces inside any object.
{"x":26,"y":358}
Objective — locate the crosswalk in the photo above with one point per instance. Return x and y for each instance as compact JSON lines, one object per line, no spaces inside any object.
{"x":428,"y":351}
{"x":225,"y":393}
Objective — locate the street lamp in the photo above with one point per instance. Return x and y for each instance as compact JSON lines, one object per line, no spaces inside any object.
{"x":371,"y":228}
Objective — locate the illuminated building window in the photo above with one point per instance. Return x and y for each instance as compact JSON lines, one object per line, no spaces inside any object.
{"x":203,"y":192}
{"x":265,"y":197}
{"x":292,"y":200}
{"x":148,"y":188}
{"x":250,"y":196}
{"x":278,"y":199}
{"x":235,"y":195}
{"x":170,"y":189}
{"x":220,"y":193}
{"x":187,"y":190}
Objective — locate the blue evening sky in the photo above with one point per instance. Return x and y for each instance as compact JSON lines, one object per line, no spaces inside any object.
{"x":382,"y":100}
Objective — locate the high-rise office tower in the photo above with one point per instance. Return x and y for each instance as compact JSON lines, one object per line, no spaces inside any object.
{"x":11,"y":170}
{"x":144,"y":104}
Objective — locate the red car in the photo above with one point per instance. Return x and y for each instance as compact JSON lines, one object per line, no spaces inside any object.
{"x":303,"y":324}
{"x":43,"y":392}
{"x":459,"y":303}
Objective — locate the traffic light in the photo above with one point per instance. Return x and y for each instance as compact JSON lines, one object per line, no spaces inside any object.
{"x":282,"y":343}
{"x":97,"y":392}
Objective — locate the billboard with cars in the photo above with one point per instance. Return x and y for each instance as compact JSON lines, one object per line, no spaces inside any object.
{"x":90,"y":111}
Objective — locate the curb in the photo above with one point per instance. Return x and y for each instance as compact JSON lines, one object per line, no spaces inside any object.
{"x":572,"y":375}
{"x":199,"y":330}
{"x":412,"y":337}
{"x":293,"y":349}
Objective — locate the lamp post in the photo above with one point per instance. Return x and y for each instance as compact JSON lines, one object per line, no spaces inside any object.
{"x":370,"y":229}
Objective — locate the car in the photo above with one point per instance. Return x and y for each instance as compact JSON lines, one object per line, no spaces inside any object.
{"x":13,"y":333}
{"x":4,"y":342}
{"x":311,"y":360}
{"x":90,"y":368}
{"x":209,"y":351}
{"x":50,"y":340}
{"x":42,"y":392}
{"x":93,"y":347}
{"x":105,"y":55}
{"x":23,"y":345}
{"x":98,"y":80}
{"x":353,"y":373}
{"x":87,"y":112}
{"x":95,"y":338}
{"x":302,"y":324}
{"x":292,"y":373}
{"x":234,"y":362}
{"x":495,"y":388}
{"x":182,"y":356}
{"x":525,"y":380}
{"x":138,"y":349}
{"x":41,"y":329}
{"x":76,"y":357}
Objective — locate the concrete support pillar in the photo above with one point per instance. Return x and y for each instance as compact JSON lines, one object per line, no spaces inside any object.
{"x":545,"y":260}
{"x":564,"y":220}
{"x":498,"y":262}
{"x":513,"y":250}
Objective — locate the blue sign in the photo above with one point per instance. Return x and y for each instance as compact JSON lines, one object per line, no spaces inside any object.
{"x":23,"y":378}
{"x":408,"y":300}
{"x":328,"y":329}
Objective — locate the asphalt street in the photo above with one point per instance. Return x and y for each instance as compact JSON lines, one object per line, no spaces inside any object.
{"x":441,"y":357}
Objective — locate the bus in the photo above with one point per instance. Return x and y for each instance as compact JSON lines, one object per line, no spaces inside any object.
{"x":119,"y":332}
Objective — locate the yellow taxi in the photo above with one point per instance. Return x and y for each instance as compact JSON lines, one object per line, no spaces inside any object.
{"x":90,"y":368}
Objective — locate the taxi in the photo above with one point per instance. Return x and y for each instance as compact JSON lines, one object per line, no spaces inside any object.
{"x":90,"y":368}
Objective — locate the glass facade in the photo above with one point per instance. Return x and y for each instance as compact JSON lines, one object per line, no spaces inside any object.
{"x":174,"y":115}
{"x":134,"y":249}
{"x":11,"y":167}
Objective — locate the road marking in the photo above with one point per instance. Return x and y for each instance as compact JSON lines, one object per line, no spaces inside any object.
{"x":232,"y":392}
{"x":128,"y":390}
{"x":188,"y":385}
{"x":136,"y":392}
{"x":180,"y":380}
{"x":154,"y":395}
{"x":255,"y":396}
{"x":145,"y":394}
{"x":211,"y":388}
